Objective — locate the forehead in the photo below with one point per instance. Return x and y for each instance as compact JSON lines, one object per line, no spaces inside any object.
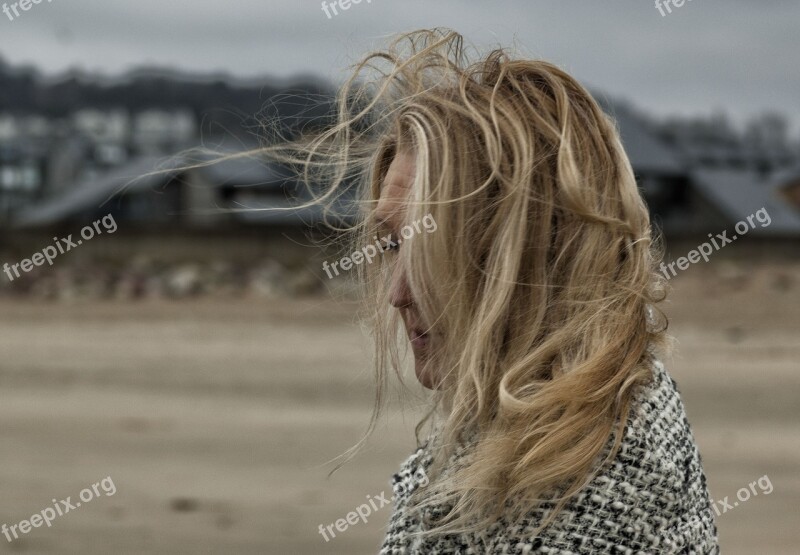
{"x":396,"y":187}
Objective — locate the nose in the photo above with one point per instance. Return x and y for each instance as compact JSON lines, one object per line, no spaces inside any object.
{"x":399,"y":291}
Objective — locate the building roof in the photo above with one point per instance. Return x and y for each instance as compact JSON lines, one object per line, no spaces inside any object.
{"x":131,"y":177}
{"x":243,"y":175}
{"x":646,"y":151}
{"x":738,"y":194}
{"x":247,"y":172}
{"x":786,"y":176}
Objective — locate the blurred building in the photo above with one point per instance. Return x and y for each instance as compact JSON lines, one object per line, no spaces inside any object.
{"x":22,"y":169}
{"x":697,"y":175}
{"x":42,"y":160}
{"x":180,"y":193}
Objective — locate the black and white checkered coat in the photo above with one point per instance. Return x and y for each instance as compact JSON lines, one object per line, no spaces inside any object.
{"x":652,"y":498}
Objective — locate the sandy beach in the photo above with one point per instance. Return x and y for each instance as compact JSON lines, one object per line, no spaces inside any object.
{"x":215,"y":419}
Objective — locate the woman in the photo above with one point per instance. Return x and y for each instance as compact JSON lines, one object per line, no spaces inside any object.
{"x":530,"y":313}
{"x":530,"y":310}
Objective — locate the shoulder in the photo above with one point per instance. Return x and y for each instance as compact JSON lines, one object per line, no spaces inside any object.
{"x":652,"y":496}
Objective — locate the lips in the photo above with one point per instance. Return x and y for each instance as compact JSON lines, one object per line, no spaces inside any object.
{"x":419,"y":339}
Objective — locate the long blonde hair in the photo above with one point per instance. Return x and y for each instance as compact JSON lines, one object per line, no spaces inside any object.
{"x":539,"y":278}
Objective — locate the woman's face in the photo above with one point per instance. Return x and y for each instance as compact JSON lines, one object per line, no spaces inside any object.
{"x":391,"y":211}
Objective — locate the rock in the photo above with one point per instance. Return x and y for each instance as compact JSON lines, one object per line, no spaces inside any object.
{"x":183,"y":281}
{"x":268,"y":279}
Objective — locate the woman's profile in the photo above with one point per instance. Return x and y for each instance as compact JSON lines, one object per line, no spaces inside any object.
{"x":530,"y":312}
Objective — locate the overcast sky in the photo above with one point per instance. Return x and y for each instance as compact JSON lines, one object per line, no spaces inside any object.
{"x":738,"y":55}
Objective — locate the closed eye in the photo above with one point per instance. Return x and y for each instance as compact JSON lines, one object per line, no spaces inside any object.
{"x":391,"y":245}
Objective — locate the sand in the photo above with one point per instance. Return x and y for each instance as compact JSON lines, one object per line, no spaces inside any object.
{"x":215,"y":419}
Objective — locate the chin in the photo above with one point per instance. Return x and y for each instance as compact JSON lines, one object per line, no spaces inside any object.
{"x":424,"y":373}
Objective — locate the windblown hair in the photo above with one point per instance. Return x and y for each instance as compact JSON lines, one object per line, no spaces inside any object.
{"x":539,"y":283}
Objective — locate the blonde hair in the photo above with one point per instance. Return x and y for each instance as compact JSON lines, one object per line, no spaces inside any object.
{"x":537,"y":283}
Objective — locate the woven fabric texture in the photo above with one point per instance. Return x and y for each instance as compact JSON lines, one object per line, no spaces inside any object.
{"x":651,"y":499}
